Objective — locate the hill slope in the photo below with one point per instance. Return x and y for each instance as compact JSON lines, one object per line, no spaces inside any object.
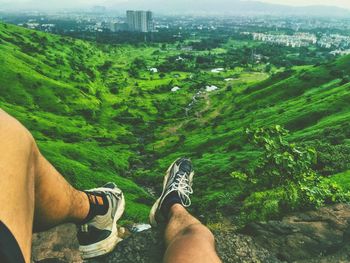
{"x":99,"y":114}
{"x":52,"y":85}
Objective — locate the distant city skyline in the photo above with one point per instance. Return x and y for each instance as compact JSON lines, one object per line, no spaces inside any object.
{"x":55,"y":4}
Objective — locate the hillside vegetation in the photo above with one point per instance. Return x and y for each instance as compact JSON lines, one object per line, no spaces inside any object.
{"x":99,"y":114}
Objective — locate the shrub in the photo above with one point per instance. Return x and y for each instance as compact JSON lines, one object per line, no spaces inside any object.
{"x":331,"y":159}
{"x":283,"y":179}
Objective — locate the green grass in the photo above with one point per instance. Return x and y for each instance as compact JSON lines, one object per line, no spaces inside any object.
{"x":342,"y":179}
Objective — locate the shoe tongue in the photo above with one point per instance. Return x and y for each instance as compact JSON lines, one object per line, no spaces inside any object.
{"x":186,"y":166}
{"x":109,"y":185}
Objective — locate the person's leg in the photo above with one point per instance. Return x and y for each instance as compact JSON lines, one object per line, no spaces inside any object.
{"x":56,"y":201}
{"x":187,"y":240}
{"x":16,"y":181}
{"x":31,"y":189}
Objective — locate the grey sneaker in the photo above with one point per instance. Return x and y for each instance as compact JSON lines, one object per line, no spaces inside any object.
{"x":179,"y":178}
{"x":99,"y":236}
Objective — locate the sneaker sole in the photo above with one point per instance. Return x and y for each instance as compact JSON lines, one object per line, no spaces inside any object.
{"x":152,"y":214}
{"x":105,"y":246}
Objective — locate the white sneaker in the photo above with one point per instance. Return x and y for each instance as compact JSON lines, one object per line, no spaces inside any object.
{"x":99,"y":236}
{"x":178,"y":178}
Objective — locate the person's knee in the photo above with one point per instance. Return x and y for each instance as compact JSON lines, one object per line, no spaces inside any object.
{"x":13,"y":134}
{"x":199,"y":230}
{"x":194,"y":243}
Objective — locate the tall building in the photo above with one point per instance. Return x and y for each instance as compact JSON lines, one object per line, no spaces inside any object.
{"x":150,"y":21}
{"x":140,"y":21}
{"x":130,"y":20}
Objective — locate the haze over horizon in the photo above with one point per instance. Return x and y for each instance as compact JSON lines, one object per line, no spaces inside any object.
{"x":337,"y":3}
{"x":167,"y":6}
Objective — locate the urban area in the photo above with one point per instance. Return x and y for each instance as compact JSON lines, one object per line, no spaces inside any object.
{"x":327,"y":34}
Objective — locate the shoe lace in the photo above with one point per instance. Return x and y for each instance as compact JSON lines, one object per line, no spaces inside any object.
{"x":182,"y":185}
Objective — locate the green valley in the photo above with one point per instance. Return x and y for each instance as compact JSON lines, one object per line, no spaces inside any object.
{"x":108,"y":113}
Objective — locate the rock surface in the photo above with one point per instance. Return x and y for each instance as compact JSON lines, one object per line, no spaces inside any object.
{"x":306,"y":236}
{"x":315,"y":236}
{"x":60,"y":244}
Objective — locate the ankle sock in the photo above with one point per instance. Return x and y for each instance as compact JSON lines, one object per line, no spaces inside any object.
{"x":98,"y":205}
{"x":172,"y":199}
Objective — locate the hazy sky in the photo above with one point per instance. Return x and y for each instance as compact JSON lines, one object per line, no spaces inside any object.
{"x":87,"y":3}
{"x":340,"y":3}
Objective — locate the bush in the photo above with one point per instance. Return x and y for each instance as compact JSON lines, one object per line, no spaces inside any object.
{"x":283,"y":179}
{"x":332,"y":159}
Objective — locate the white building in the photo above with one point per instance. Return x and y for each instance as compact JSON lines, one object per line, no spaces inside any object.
{"x":153,"y":70}
{"x":116,"y":27}
{"x":140,"y":21}
{"x":174,"y":89}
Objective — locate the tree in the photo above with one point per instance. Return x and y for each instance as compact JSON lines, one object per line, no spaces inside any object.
{"x":268,"y":68}
{"x":136,"y":66}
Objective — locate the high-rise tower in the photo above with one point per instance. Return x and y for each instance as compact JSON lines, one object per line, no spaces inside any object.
{"x":140,"y":21}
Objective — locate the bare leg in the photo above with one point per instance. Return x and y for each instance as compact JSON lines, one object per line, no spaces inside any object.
{"x":32,"y":191}
{"x":56,"y":201}
{"x":187,"y":240}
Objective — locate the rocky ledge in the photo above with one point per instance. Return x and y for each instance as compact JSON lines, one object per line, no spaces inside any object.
{"x":314,"y":236}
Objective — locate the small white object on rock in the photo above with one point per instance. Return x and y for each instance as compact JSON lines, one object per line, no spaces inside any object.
{"x":140,"y":227}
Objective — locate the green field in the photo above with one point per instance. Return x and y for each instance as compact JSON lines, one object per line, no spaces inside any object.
{"x":99,"y":114}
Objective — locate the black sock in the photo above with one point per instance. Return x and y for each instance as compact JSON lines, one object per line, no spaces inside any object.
{"x":172,"y":199}
{"x":96,"y":207}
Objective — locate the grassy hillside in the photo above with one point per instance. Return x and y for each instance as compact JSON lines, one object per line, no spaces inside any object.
{"x":99,"y":114}
{"x":312,"y":102}
{"x":53,"y":85}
